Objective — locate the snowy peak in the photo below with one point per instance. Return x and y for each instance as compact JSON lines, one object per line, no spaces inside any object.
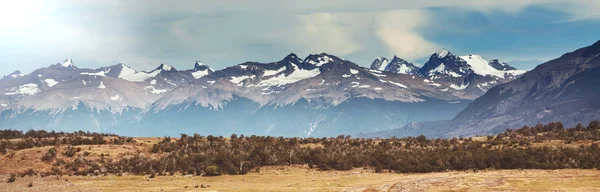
{"x":200,"y":70}
{"x":165,"y":67}
{"x":199,"y":66}
{"x":502,"y":66}
{"x":68,"y":63}
{"x":380,"y":63}
{"x":442,"y":53}
{"x":398,"y":65}
{"x":124,"y":71}
{"x":199,"y":63}
{"x":292,"y":58}
{"x":481,"y":67}
{"x":16,"y":74}
{"x":320,"y":59}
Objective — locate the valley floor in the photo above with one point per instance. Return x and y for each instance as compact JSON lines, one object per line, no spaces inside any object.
{"x":289,"y":178}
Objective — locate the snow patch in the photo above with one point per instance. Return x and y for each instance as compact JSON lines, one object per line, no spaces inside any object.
{"x":50,"y":82}
{"x":434,"y":84}
{"x":141,"y":76}
{"x":394,"y":83}
{"x":384,"y":64}
{"x":297,"y":75}
{"x":200,"y":74}
{"x":126,"y":71}
{"x":166,"y":67}
{"x":239,"y":79}
{"x":346,"y":75}
{"x":27,"y":89}
{"x":321,"y":60}
{"x":273,"y":72}
{"x":354,"y":71}
{"x":101,"y":86}
{"x":17,"y":75}
{"x":154,"y":90}
{"x":459,"y":87}
{"x":101,"y":73}
{"x":116,"y":98}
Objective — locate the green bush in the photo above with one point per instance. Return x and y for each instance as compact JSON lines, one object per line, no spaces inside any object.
{"x":212,"y":171}
{"x":11,"y":178}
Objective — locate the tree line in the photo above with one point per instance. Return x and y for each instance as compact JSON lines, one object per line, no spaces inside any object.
{"x":216,"y":155}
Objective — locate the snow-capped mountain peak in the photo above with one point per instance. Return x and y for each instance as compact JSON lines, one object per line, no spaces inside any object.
{"x":293,"y":58}
{"x":443,"y":53}
{"x":396,"y":65}
{"x":68,"y":63}
{"x":480,"y":66}
{"x":380,"y":63}
{"x":199,"y":63}
{"x":320,"y":59}
{"x":501,"y":65}
{"x":126,"y":71}
{"x":200,"y":70}
{"x":200,"y":66}
{"x":166,"y":67}
{"x":16,"y":74}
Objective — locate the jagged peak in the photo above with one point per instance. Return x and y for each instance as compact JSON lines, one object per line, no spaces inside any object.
{"x":320,"y":59}
{"x":442,"y":53}
{"x":503,"y":66}
{"x":200,"y":66}
{"x":380,"y":63}
{"x":67,"y":63}
{"x":199,"y":63}
{"x":380,"y":58}
{"x":166,"y":67}
{"x":291,"y":56}
{"x":398,"y":59}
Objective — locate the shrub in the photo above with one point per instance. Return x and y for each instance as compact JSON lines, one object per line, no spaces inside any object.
{"x":11,"y":178}
{"x":50,"y":155}
{"x":212,"y":171}
{"x":70,"y":151}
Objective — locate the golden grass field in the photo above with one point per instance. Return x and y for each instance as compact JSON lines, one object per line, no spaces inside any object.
{"x":303,"y":179}
{"x":287,"y":178}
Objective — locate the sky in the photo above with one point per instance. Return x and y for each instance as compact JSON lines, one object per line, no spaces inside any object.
{"x":144,"y":34}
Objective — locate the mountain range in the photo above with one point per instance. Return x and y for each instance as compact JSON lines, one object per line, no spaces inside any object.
{"x":319,"y":95}
{"x":564,"y":89}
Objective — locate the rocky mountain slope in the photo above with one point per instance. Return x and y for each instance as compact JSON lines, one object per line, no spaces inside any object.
{"x":565,"y":89}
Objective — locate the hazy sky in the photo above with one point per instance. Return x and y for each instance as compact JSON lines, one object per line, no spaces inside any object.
{"x":145,"y":33}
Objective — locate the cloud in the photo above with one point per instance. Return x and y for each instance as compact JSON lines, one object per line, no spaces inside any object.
{"x":223,"y":33}
{"x":398,"y":30}
{"x":325,"y":32}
